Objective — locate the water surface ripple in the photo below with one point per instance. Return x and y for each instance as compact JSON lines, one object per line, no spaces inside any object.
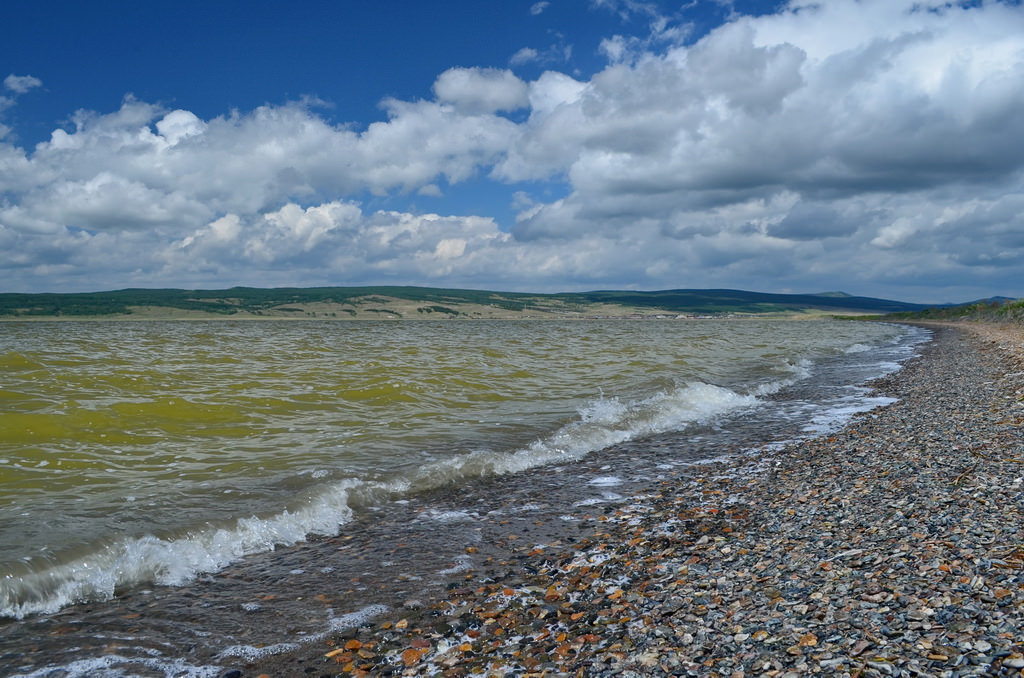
{"x":141,"y":453}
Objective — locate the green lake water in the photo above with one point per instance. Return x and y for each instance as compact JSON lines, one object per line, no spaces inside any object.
{"x":135,"y":452}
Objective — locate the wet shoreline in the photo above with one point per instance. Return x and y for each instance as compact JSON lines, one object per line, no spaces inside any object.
{"x":400,"y":557}
{"x":891,"y":547}
{"x":276,"y":612}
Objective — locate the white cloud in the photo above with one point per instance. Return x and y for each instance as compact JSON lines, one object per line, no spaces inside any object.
{"x":481,"y":90}
{"x":863,"y":112}
{"x":247,"y":162}
{"x":178,"y":125}
{"x":524,"y":56}
{"x":19,"y":84}
{"x":627,"y":8}
{"x":663,"y":29}
{"x":558,"y":53}
{"x":734,"y":116}
{"x":336,"y":240}
{"x":450,"y":248}
{"x":874,"y":145}
{"x":538,"y":7}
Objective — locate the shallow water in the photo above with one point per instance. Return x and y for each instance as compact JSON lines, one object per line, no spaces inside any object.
{"x":143,"y":453}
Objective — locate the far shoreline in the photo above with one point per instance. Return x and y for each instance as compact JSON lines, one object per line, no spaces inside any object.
{"x":649,"y":316}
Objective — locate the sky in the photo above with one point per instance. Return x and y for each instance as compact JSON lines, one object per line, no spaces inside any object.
{"x":874,"y":147}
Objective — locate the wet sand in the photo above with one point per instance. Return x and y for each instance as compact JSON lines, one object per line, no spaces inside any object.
{"x":893,"y":547}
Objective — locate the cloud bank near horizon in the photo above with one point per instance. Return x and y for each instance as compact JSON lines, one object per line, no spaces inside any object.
{"x":871,"y":146}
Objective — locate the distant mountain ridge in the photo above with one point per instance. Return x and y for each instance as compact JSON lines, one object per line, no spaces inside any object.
{"x":422,"y":302}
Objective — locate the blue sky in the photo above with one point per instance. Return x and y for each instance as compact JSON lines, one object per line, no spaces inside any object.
{"x":870,"y":146}
{"x":211,"y":57}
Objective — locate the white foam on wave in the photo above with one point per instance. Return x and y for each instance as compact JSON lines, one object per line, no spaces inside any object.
{"x":840,"y":411}
{"x":602,"y":422}
{"x":153,"y":662}
{"x":446,"y":516}
{"x":170,"y":561}
{"x":116,"y":666}
{"x":603,"y":499}
{"x":832,"y":414}
{"x":355,"y":619}
{"x":608,"y":421}
{"x":177,"y":560}
{"x":798,"y":369}
{"x":251,"y":653}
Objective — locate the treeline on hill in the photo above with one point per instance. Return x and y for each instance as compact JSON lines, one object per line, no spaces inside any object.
{"x":738,"y":301}
{"x":986,"y":310}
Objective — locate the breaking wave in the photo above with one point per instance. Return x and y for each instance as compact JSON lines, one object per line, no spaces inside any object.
{"x":175,"y":560}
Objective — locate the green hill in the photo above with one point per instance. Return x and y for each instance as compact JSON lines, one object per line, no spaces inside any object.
{"x":423,"y":302}
{"x":994,"y":309}
{"x":736,"y":301}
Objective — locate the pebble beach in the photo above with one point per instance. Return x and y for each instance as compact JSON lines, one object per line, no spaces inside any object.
{"x":894,"y":547}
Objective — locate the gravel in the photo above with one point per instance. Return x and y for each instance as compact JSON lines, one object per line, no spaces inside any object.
{"x":894,"y":547}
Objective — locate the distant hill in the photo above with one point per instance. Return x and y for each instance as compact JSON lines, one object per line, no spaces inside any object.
{"x":993,"y":309}
{"x":736,"y":301}
{"x":427,"y":302}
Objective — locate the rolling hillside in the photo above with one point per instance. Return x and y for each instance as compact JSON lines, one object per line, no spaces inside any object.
{"x":425,"y":302}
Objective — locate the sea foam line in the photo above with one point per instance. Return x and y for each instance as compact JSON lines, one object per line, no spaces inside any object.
{"x":150,"y":559}
{"x":113,"y":664}
{"x":603,"y":422}
{"x":175,"y":561}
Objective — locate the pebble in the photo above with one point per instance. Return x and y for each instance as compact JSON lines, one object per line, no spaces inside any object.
{"x":892,"y":548}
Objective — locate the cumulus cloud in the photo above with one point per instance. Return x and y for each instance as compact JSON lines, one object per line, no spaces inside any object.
{"x":338,"y":237}
{"x":246,"y":162}
{"x":875,"y":145}
{"x":481,"y":90}
{"x":19,"y":84}
{"x":123,"y":196}
{"x":662,"y":28}
{"x":178,"y":125}
{"x":862,"y":112}
{"x":524,"y":56}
